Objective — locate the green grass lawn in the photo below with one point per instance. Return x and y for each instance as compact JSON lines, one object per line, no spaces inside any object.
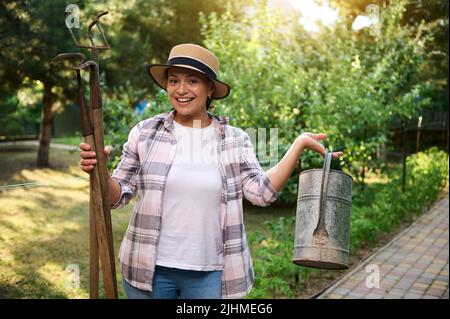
{"x":44,"y":230}
{"x":69,"y":140}
{"x":17,"y":160}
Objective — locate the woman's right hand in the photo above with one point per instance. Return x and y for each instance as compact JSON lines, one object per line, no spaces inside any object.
{"x":88,"y":159}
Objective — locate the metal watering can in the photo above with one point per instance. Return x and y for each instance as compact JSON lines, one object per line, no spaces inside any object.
{"x":324,"y":205}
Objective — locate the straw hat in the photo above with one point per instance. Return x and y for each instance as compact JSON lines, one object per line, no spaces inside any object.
{"x":194,"y":57}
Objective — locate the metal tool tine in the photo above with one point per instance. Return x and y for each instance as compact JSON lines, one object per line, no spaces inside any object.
{"x":96,"y":22}
{"x":66,"y":57}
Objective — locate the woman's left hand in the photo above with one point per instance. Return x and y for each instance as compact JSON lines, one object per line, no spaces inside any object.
{"x":311,"y":141}
{"x":280,"y":173}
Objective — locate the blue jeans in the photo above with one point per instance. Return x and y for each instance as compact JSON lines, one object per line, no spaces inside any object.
{"x":173,"y":283}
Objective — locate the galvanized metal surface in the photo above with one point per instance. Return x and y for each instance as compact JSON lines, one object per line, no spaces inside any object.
{"x":323,"y":218}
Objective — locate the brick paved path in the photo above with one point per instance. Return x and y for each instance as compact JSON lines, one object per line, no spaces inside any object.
{"x":413,"y":265}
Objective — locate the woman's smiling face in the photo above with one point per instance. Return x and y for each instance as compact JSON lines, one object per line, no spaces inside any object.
{"x":187,"y":90}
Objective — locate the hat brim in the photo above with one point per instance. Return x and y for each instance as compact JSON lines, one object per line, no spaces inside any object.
{"x":158,"y":74}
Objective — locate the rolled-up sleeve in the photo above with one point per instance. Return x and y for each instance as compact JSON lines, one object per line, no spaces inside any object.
{"x":128,"y":169}
{"x":256,"y":184}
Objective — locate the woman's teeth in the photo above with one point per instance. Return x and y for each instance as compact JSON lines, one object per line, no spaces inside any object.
{"x":184,"y":100}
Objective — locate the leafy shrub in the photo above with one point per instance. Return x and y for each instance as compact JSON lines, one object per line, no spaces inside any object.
{"x":426,"y":173}
{"x":15,"y":117}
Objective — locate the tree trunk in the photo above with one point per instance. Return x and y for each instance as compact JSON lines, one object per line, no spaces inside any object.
{"x":363,"y":173}
{"x":46,"y":127}
{"x":419,"y":126}
{"x":381,"y":152}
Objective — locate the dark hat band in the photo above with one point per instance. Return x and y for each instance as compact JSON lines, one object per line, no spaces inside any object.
{"x":195,"y":63}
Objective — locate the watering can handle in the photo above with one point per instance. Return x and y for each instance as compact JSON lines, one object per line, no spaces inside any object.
{"x":326,"y":170}
{"x":323,"y":192}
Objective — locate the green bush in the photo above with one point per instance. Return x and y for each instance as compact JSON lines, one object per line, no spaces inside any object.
{"x":275,"y":273}
{"x":426,"y":173}
{"x":376,"y":214}
{"x":15,"y":118}
{"x":119,"y":117}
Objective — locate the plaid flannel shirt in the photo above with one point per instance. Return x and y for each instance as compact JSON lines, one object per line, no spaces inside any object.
{"x":145,"y":163}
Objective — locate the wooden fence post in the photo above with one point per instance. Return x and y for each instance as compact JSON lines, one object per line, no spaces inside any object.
{"x":405,"y":141}
{"x":419,"y":125}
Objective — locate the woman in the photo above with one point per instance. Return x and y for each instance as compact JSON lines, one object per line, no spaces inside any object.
{"x":189,"y":170}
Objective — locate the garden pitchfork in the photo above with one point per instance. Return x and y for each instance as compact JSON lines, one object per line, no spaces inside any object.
{"x":100,"y":228}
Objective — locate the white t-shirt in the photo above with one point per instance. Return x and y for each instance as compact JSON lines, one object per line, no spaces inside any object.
{"x":191,"y":234}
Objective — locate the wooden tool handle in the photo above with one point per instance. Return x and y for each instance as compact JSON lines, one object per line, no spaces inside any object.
{"x":104,"y":224}
{"x":93,"y":241}
{"x":86,"y":127}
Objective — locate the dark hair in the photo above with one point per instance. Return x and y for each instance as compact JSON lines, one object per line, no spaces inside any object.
{"x":208,"y":103}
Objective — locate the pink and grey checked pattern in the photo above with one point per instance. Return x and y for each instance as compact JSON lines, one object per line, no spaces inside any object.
{"x":145,"y":163}
{"x":414,"y":265}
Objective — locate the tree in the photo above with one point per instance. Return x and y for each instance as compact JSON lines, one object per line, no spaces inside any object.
{"x":144,"y":33}
{"x":433,"y":14}
{"x":32,"y":33}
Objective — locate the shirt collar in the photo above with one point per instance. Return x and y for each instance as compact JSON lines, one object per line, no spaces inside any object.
{"x":218,"y":121}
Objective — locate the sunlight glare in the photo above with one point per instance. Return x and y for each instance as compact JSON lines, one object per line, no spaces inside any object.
{"x":313,"y":12}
